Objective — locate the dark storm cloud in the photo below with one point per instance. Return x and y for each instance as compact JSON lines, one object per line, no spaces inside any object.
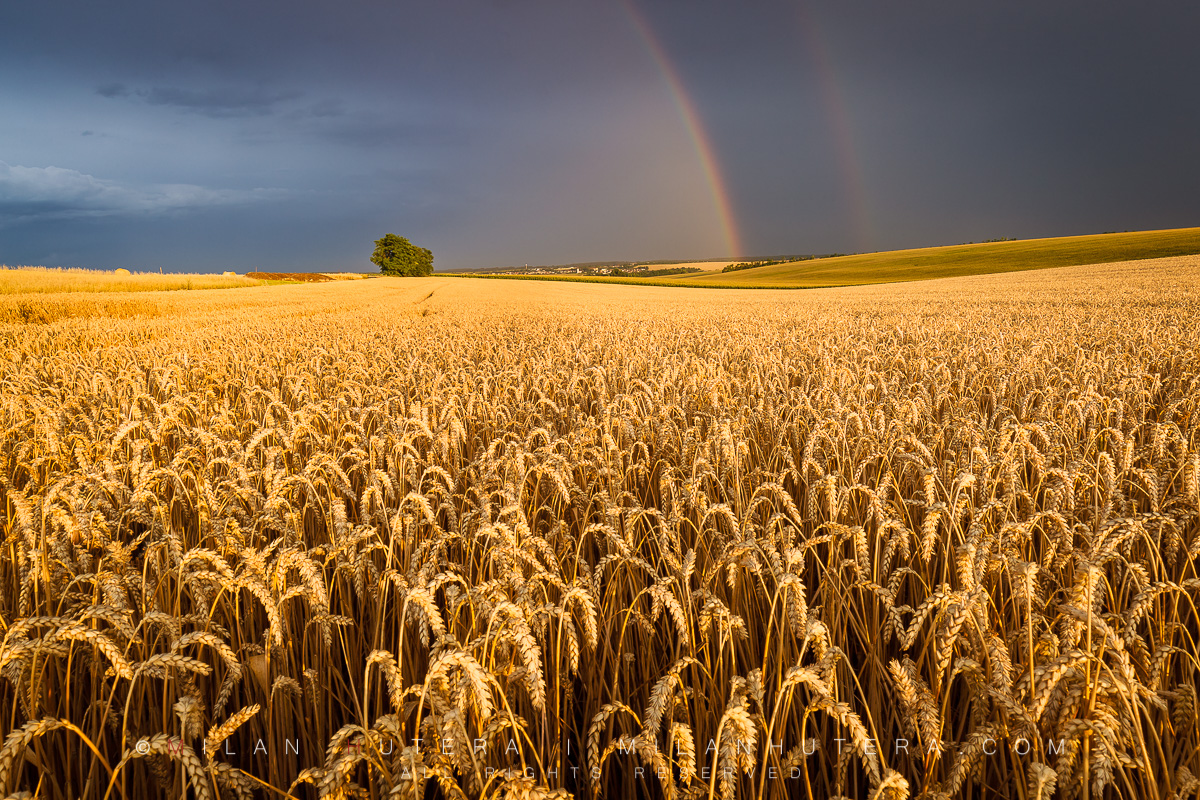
{"x":533,"y":130}
{"x":230,"y":101}
{"x":226,"y":102}
{"x":36,"y":193}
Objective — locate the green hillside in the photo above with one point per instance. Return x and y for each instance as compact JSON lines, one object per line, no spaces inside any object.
{"x":941,"y":262}
{"x":966,"y":259}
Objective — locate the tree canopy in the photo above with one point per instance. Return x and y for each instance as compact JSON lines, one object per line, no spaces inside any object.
{"x":395,"y":255}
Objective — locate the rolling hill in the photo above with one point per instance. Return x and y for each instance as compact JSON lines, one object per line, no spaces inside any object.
{"x":935,"y":262}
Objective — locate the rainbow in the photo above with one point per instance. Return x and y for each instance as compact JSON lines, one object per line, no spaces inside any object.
{"x":696,"y":132}
{"x":835,"y":110}
{"x":840,"y":127}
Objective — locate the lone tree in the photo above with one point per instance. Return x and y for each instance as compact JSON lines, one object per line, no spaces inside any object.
{"x":395,"y":255}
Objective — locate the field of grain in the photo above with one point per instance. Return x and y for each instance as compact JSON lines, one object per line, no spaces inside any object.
{"x":928,"y":263}
{"x":965,"y":259}
{"x":441,"y":537}
{"x":51,"y":280}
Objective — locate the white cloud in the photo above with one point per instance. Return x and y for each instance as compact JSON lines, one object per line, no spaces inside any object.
{"x":55,"y":193}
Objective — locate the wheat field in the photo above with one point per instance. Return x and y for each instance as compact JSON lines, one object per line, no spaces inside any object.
{"x":54,"y":280}
{"x":426,"y":538}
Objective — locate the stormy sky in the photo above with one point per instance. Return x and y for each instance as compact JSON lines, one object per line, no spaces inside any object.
{"x":289,"y":135}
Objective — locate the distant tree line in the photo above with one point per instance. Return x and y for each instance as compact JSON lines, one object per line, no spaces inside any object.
{"x":655,"y":273}
{"x":766,"y":262}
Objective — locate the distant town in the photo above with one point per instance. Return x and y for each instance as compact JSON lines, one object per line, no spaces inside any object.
{"x":639,"y":269}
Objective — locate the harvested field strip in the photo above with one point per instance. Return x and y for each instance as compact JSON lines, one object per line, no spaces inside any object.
{"x":302,"y":277}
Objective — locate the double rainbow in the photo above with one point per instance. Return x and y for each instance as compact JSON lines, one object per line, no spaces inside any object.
{"x":835,"y":110}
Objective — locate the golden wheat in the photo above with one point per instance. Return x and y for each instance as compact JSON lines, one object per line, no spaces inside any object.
{"x":449,"y":538}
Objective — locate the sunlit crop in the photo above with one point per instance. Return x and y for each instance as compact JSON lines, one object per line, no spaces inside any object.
{"x":43,"y":280}
{"x":448,"y":537}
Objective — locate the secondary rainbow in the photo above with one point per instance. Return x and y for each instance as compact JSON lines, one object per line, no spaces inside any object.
{"x":841,"y":129}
